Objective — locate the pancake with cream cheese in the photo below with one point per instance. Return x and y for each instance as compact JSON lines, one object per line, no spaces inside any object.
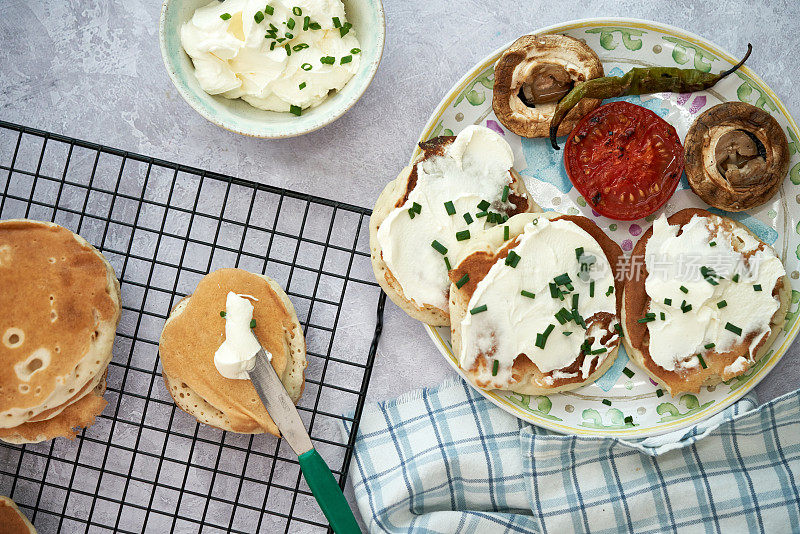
{"x":61,"y":307}
{"x":12,"y":519}
{"x":195,"y":331}
{"x":704,"y":300}
{"x":534,"y":308}
{"x":425,"y":218}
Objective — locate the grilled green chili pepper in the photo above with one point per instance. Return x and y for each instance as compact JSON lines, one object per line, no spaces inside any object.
{"x":638,"y":81}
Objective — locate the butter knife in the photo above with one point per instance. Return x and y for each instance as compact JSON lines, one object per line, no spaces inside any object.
{"x":318,"y":475}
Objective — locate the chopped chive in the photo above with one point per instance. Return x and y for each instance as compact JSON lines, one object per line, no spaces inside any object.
{"x":628,"y":420}
{"x":578,"y":253}
{"x":601,"y":350}
{"x":668,"y":302}
{"x":344,"y":29}
{"x":253,"y":323}
{"x":306,"y":21}
{"x":645,"y":319}
{"x":461,"y":281}
{"x":302,"y":86}
{"x":504,"y":198}
{"x":506,"y":233}
{"x":627,"y":372}
{"x":528,"y":294}
{"x":272,"y":45}
{"x":495,"y":367}
{"x":269,"y":10}
{"x":296,"y":110}
{"x":225,"y":16}
{"x":306,"y":66}
{"x":441,"y":249}
{"x":610,"y":290}
{"x":682,"y":288}
{"x":659,"y":393}
{"x":562,"y":279}
{"x":686,"y":308}
{"x":483,"y":205}
{"x":567,"y":332}
{"x":735,"y":277}
{"x":578,"y":319}
{"x":554,"y":291}
{"x":412,"y":213}
{"x":591,"y":288}
{"x":481,"y":214}
{"x":463,"y":235}
{"x":663,"y":316}
{"x":721,"y":304}
{"x":606,"y":402}
{"x":449,"y":207}
{"x":548,"y":330}
{"x":512,"y":259}
{"x":288,"y":49}
{"x":733,"y":328}
{"x":297,"y":11}
{"x":757,"y":287}
{"x":702,"y":362}
{"x":315,"y":26}
{"x":712,"y":244}
{"x":575,"y":301}
{"x":258,"y":17}
{"x":709,"y":346}
{"x":289,"y":35}
{"x":562,"y":315}
{"x":336,"y":22}
{"x":327,"y":60}
{"x":416,"y":207}
{"x":222,"y":314}
{"x":505,"y":217}
{"x":478,"y":309}
{"x":345,"y":59}
{"x":447,"y":263}
{"x":355,"y":50}
{"x":468,"y":218}
{"x":618,"y":328}
{"x":299,"y":47}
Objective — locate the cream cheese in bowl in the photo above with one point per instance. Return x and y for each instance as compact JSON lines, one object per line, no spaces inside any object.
{"x":278,"y":55}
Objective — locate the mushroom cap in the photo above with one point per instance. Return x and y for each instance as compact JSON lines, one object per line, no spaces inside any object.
{"x":749,"y":185}
{"x":524,"y":56}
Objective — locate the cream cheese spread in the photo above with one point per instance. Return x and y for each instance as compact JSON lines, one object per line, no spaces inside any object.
{"x":523,"y":303}
{"x":712,"y":295}
{"x":471,"y":176}
{"x":237,"y":354}
{"x":279,"y":55}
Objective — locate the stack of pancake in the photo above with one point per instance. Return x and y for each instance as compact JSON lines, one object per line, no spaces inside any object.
{"x":12,"y":519}
{"x":61,"y":305}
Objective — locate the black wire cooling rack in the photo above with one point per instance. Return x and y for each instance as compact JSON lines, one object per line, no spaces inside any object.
{"x":145,"y":466}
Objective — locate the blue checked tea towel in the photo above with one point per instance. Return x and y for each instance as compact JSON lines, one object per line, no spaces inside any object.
{"x":446,"y":460}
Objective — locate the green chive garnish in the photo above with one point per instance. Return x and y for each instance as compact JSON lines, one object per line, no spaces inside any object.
{"x":528,"y":294}
{"x":355,"y":50}
{"x":288,"y":49}
{"x":495,"y":367}
{"x":306,"y":66}
{"x":253,"y":323}
{"x":757,"y":287}
{"x":222,"y":314}
{"x":299,"y":47}
{"x":463,"y":280}
{"x":735,"y":277}
{"x":627,"y":372}
{"x":449,"y":207}
{"x":468,"y":218}
{"x":709,"y":346}
{"x":702,"y":362}
{"x":297,"y":11}
{"x":668,"y":302}
{"x":411,"y":213}
{"x":512,"y":259}
{"x":441,"y":249}
{"x":483,"y":205}
{"x":659,"y":393}
{"x":345,"y":59}
{"x":416,"y":207}
{"x":306,"y":21}
{"x":481,"y":214}
{"x":344,"y":29}
{"x":563,"y":316}
{"x":302,"y":86}
{"x":289,"y":36}
{"x":686,"y":307}
{"x":733,"y":328}
{"x":649,"y":317}
{"x":478,"y":309}
{"x":578,"y":253}
{"x":269,"y":10}
{"x":463,"y":235}
{"x":721,"y":304}
{"x":601,"y":350}
{"x":562,"y":279}
{"x":712,"y":244}
{"x":447,"y":263}
{"x":272,"y":45}
{"x":504,"y":198}
{"x":575,"y":301}
{"x":296,"y":110}
{"x":682,"y":288}
{"x":610,"y":290}
{"x":663,"y":316}
{"x":628,"y":420}
{"x":258,"y":17}
{"x":591,"y":288}
{"x":336,"y":22}
{"x":225,"y":16}
{"x":567,"y":333}
{"x":315,"y":26}
{"x":505,"y":233}
{"x":327,"y":60}
{"x":618,"y":328}
{"x":606,"y":402}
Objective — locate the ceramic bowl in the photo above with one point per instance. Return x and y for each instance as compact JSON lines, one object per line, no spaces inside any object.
{"x":238,"y":116}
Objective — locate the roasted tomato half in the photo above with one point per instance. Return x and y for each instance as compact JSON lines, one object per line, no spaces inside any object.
{"x":625,"y":160}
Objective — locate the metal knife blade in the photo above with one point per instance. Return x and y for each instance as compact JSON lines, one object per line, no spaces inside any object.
{"x":278,"y":404}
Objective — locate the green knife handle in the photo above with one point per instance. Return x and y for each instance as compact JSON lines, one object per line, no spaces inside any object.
{"x":328,"y":493}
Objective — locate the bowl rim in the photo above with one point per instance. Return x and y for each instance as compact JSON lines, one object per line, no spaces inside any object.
{"x":255,"y":132}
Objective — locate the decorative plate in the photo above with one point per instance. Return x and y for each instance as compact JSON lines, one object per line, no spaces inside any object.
{"x":601,"y":408}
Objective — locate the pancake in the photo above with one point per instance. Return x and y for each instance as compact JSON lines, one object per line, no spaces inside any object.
{"x":12,"y":519}
{"x":445,"y":171}
{"x":193,"y":333}
{"x":61,"y":305}
{"x":80,"y":414}
{"x":567,"y":363}
{"x":723,"y":353}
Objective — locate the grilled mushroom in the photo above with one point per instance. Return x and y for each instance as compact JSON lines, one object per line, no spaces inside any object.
{"x":534,"y":74}
{"x":736,"y":156}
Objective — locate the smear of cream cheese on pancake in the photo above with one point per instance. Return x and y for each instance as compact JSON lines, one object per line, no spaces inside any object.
{"x":674,"y":261}
{"x":235,"y":57}
{"x":237,"y":354}
{"x":512,"y":321}
{"x":474,"y":168}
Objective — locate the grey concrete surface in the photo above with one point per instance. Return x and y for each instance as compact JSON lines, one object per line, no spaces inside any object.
{"x":92,"y":70}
